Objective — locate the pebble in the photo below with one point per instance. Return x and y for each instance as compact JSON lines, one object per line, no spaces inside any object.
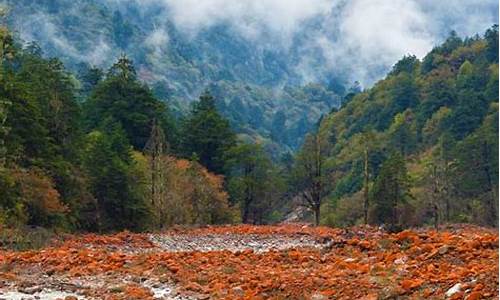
{"x":238,"y":291}
{"x":233,"y":242}
{"x":318,"y":297}
{"x":454,"y":289}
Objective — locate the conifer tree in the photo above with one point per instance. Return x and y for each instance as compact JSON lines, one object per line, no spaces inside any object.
{"x":207,"y":134}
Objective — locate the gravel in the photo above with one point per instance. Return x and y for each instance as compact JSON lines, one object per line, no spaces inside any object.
{"x":43,"y":294}
{"x":232,"y":242}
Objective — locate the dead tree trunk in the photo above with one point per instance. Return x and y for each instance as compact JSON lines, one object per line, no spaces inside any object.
{"x":435,"y":195}
{"x":156,"y":147}
{"x":365,"y":187}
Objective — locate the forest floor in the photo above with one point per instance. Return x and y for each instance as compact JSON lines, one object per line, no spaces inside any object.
{"x":259,"y":262}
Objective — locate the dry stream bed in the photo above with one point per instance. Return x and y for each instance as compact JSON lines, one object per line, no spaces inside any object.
{"x":259,"y":262}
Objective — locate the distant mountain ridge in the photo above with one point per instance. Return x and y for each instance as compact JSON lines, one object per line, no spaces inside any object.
{"x":275,"y":79}
{"x":247,"y":79}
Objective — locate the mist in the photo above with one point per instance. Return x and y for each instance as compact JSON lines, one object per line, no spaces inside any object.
{"x":361,"y":38}
{"x":358,"y":40}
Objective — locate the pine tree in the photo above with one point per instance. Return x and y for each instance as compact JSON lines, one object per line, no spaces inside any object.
{"x":391,"y":189}
{"x":111,"y":168}
{"x":207,"y":134}
{"x":121,"y":97}
{"x":253,"y":181}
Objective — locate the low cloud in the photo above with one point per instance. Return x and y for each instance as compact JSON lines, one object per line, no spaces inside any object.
{"x":157,"y":40}
{"x":41,"y":28}
{"x":356,"y":39}
{"x":373,"y":34}
{"x":252,"y":18}
{"x":360,"y":38}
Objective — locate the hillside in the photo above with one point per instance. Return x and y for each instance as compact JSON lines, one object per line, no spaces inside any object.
{"x":248,"y":78}
{"x":215,"y":149}
{"x":438,"y":119}
{"x":275,"y":69}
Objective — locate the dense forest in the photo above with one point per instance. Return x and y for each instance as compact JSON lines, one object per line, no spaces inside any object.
{"x":255,"y":86}
{"x":420,"y":147}
{"x":96,"y":150}
{"x":99,"y":152}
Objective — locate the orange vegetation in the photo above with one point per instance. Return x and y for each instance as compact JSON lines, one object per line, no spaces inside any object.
{"x":358,"y":263}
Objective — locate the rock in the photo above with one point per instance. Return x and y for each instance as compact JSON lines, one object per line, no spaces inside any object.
{"x":474,"y":296}
{"x":164,"y":278}
{"x":193,"y":286}
{"x":70,"y":298}
{"x":26,"y":284}
{"x":454,"y":289}
{"x":238,"y":291}
{"x":117,"y":289}
{"x":30,"y":290}
{"x":444,"y":249}
{"x":319,"y":281}
{"x":400,"y":261}
{"x":317,"y":296}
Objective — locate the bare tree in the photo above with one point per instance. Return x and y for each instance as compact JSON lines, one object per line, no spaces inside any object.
{"x":310,"y":174}
{"x":362,"y":146}
{"x":156,"y":148}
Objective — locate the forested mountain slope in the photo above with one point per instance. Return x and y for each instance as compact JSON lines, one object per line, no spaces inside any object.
{"x":97,"y":149}
{"x":422,"y":144}
{"x":248,"y":78}
{"x":275,"y":67}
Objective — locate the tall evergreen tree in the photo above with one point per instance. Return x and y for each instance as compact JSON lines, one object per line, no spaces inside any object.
{"x":207,"y":135}
{"x":253,"y":182}
{"x":124,"y":99}
{"x":156,"y":150}
{"x":391,"y":189}
{"x":111,"y":168}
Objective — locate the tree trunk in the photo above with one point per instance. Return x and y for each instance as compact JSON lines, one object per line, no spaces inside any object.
{"x":447,"y":209}
{"x":491,"y":201}
{"x":365,"y":187}
{"x":446,"y":189}
{"x":248,"y":197}
{"x":435,"y":194}
{"x":244,"y":218}
{"x":317,"y":215}
{"x":395,"y":206}
{"x":246,"y":205}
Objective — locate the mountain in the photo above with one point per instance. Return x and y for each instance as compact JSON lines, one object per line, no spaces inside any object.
{"x":255,"y":85}
{"x":86,"y":146}
{"x":269,"y":63}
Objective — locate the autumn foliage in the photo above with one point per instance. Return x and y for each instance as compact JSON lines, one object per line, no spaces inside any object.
{"x":194,"y":195}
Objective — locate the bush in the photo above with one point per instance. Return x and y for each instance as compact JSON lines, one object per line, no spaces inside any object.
{"x":346,"y":211}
